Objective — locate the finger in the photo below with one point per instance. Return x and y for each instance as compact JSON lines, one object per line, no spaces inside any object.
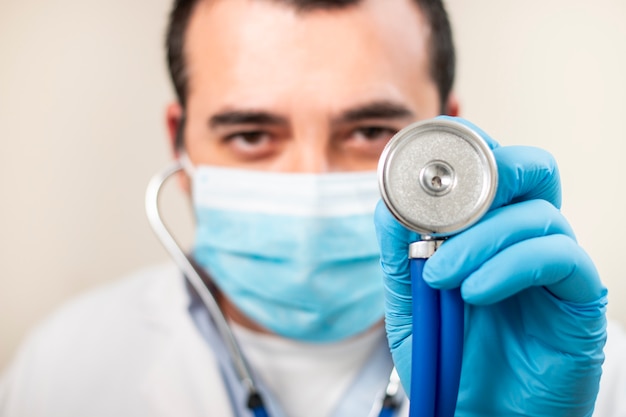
{"x":394,"y":240}
{"x":526,"y":173}
{"x":555,"y":262}
{"x":464,"y":253}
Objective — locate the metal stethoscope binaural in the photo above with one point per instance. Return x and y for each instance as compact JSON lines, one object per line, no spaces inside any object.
{"x":385,"y":407}
{"x":438,"y":178}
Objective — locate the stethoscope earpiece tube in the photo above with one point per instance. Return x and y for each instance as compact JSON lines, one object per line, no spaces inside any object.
{"x":255,"y":404}
{"x":425,"y":354}
{"x":183,"y":263}
{"x":437,"y":177}
{"x":452,"y":310}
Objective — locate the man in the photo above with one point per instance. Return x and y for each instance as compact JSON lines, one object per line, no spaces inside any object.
{"x":283,"y":109}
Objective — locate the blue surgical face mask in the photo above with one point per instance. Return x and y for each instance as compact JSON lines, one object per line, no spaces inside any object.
{"x":296,"y":253}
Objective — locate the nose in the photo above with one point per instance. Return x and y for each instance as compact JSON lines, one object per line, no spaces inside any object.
{"x":308,"y":154}
{"x":312,"y":160}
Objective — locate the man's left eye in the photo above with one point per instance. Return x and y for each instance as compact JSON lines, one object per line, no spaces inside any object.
{"x":368,"y":141}
{"x":374,"y":133}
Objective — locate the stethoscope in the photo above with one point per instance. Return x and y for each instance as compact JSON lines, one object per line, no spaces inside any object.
{"x":437,"y":177}
{"x":383,"y":407}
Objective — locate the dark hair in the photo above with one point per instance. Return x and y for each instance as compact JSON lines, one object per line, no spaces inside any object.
{"x":441,"y":46}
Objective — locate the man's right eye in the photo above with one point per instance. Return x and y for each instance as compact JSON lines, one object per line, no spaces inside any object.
{"x":253,"y":144}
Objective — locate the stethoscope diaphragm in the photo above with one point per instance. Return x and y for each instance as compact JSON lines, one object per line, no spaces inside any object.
{"x":437,"y":177}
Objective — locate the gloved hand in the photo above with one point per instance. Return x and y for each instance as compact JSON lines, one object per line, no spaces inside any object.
{"x":535,"y":320}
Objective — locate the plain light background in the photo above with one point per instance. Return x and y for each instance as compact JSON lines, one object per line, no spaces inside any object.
{"x":83,"y":87}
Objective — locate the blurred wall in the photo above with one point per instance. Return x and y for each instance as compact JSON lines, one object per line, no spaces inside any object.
{"x":83,"y":87}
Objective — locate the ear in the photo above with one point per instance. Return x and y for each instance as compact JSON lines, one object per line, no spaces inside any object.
{"x":453,"y":107}
{"x":173,"y":120}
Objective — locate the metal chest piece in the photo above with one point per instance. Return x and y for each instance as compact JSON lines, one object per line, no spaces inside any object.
{"x":437,"y":177}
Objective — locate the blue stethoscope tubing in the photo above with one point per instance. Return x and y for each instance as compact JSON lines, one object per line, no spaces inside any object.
{"x":438,"y":332}
{"x":255,"y":402}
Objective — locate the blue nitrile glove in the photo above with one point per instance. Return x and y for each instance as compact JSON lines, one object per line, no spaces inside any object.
{"x":535,"y":320}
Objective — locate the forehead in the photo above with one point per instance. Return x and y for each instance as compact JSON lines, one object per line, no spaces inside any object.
{"x":257,"y":51}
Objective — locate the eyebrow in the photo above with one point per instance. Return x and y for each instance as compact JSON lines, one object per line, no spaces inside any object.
{"x":374,"y":110}
{"x":243,"y":117}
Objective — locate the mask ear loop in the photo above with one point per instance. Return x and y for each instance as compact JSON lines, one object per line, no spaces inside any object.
{"x":179,"y":143}
{"x":170,"y":244}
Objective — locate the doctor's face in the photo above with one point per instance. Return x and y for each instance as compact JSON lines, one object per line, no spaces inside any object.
{"x":271,"y":88}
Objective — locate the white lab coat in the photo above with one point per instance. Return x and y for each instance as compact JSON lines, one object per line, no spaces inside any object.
{"x":152,"y":361}
{"x":139,"y":354}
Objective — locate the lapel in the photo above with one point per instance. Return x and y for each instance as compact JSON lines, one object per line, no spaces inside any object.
{"x":184,"y":378}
